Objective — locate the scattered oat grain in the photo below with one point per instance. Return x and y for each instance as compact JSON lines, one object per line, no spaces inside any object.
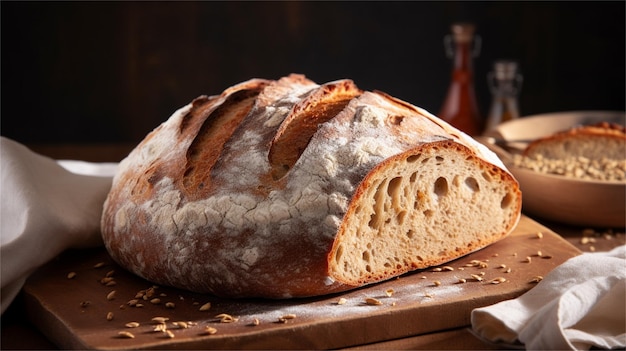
{"x":539,"y":235}
{"x":372,"y":301}
{"x":536,"y":279}
{"x":226,"y":318}
{"x":498,"y":280}
{"x":160,"y":319}
{"x":181,"y":325}
{"x":477,"y":277}
{"x":447,"y":268}
{"x":161,"y":327}
{"x":436,"y":283}
{"x":111,"y":295}
{"x":209,"y":330}
{"x":155,"y":301}
{"x":170,"y":304}
{"x":341,"y":301}
{"x":110,"y":316}
{"x":389,"y":292}
{"x":205,"y":307}
{"x":71,"y":275}
{"x":125,"y":334}
{"x":132,"y":325}
{"x":99,"y":265}
{"x":169,"y":334}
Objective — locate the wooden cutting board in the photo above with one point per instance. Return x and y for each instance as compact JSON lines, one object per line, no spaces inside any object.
{"x":72,"y":313}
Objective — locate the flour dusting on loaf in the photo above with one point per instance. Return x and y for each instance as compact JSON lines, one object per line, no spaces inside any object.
{"x":288,"y":188}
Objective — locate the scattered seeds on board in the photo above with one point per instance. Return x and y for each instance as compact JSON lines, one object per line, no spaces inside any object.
{"x":498,"y":280}
{"x":181,"y":325}
{"x":71,"y":275}
{"x":536,"y":279}
{"x":341,"y":301}
{"x":161,"y":327}
{"x":131,"y":325}
{"x":169,"y":334}
{"x":110,"y":316}
{"x":255,"y":322}
{"x":437,"y":269}
{"x":111,"y":295}
{"x":170,"y":304}
{"x":209,"y":330}
{"x":436,"y":283}
{"x":205,"y":307}
{"x":126,"y":335}
{"x":389,"y":292}
{"x":155,"y":301}
{"x":160,"y":319}
{"x":99,"y":265}
{"x":447,"y":268}
{"x":226,"y":318}
{"x":462,"y":280}
{"x":527,"y":259}
{"x":372,"y":301}
{"x":539,"y":235}
{"x":477,"y":277}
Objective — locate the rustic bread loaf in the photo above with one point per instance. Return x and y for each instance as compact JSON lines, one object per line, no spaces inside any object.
{"x":288,"y":188}
{"x":601,"y":140}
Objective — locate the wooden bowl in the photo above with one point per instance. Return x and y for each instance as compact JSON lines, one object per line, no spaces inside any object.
{"x":559,"y":198}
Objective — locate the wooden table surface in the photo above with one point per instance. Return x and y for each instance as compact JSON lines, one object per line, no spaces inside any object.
{"x":17,"y":333}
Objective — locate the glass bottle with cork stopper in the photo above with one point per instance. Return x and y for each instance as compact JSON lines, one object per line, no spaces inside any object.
{"x":460,"y":107}
{"x":505,"y":83}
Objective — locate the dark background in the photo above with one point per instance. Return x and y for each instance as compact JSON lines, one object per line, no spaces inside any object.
{"x":101,"y":72}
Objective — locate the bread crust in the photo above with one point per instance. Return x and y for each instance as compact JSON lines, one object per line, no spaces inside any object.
{"x":215,"y":200}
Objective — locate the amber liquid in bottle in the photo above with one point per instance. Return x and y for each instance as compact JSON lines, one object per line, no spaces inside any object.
{"x":460,"y":107}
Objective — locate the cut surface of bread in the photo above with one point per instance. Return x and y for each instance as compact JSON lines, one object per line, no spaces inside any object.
{"x":286,"y":188}
{"x":422,"y":208}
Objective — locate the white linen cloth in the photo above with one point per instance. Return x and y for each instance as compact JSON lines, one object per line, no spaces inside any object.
{"x":580,"y":304}
{"x":46,"y":207}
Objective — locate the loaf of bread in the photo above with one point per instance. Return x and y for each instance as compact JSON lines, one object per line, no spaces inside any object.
{"x":287,"y":188}
{"x":591,"y":152}
{"x":601,"y":140}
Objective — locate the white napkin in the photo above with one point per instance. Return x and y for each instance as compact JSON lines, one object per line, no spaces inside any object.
{"x":580,"y":304}
{"x":44,"y":210}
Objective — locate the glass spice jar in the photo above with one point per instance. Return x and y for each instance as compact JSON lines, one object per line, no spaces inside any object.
{"x":505,"y":83}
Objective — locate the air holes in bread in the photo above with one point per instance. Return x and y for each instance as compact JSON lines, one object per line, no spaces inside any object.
{"x":472,"y":184}
{"x":441,"y":187}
